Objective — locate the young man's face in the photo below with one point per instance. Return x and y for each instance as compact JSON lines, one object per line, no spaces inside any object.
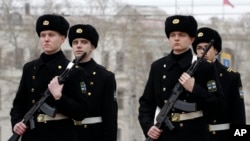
{"x":211,"y":54}
{"x":180,"y":41}
{"x":51,"y":41}
{"x":81,"y":45}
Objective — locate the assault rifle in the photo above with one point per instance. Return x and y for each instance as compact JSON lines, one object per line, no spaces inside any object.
{"x":41,"y":104}
{"x":163,"y":116}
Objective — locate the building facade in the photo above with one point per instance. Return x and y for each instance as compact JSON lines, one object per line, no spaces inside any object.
{"x":129,"y":42}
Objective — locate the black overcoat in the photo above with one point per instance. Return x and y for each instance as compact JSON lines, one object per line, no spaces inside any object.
{"x":34,"y":81}
{"x":164,"y":74}
{"x":101,"y":93}
{"x":232,"y":111}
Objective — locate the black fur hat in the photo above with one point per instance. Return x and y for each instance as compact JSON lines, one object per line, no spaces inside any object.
{"x":85,"y":31}
{"x":181,"y":23}
{"x":205,"y":35}
{"x":52,"y":22}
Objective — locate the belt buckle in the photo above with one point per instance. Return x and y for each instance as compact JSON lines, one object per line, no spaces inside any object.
{"x":175,"y":117}
{"x":210,"y":128}
{"x":41,"y":118}
{"x":77,"y":122}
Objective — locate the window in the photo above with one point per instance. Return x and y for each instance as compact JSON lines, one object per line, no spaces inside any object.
{"x":16,"y":19}
{"x":0,"y":57}
{"x":119,"y":134}
{"x":120,"y":61}
{"x":149,"y":59}
{"x":105,"y":59}
{"x":20,"y":58}
{"x":0,"y":102}
{"x":120,"y":95}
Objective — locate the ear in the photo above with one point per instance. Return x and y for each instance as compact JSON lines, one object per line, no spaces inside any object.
{"x":216,"y":51}
{"x":92,"y":47}
{"x":63,"y":38}
{"x":192,"y":39}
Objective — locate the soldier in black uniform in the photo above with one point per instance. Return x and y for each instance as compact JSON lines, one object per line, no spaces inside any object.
{"x":232,"y":110}
{"x":37,"y":76}
{"x":169,"y":70}
{"x":101,"y":123}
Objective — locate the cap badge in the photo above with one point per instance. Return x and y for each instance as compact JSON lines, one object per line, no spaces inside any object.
{"x":79,"y":30}
{"x":175,"y":21}
{"x":45,"y":22}
{"x":200,"y":34}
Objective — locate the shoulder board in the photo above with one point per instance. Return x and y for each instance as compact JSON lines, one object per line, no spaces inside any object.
{"x":102,"y":67}
{"x":231,"y":70}
{"x":209,"y":61}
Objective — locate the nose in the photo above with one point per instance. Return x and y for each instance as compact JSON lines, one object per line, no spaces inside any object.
{"x":46,"y":37}
{"x":78,"y":45}
{"x":176,"y":37}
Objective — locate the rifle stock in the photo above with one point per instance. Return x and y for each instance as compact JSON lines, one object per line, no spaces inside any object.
{"x":163,"y":115}
{"x":29,"y":116}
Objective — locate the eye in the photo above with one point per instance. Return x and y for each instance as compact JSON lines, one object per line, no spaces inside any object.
{"x":75,"y":42}
{"x":199,"y":48}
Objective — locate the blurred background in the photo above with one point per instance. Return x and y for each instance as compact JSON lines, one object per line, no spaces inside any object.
{"x":132,"y":36}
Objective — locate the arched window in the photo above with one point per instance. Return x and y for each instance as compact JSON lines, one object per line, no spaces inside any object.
{"x":16,"y":19}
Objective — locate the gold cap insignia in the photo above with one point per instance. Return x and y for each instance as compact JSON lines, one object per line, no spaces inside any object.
{"x":176,"y":21}
{"x":79,"y":30}
{"x":200,"y":34}
{"x":45,"y":22}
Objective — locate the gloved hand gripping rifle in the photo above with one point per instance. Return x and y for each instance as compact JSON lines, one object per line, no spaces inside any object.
{"x":163,"y":116}
{"x":41,"y":104}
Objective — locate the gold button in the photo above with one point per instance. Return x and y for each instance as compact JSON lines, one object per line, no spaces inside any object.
{"x":32,"y":90}
{"x":77,"y":66}
{"x":89,"y":93}
{"x":33,"y":101}
{"x":181,"y":124}
{"x":163,"y":89}
{"x":76,"y":122}
{"x":40,"y":118}
{"x":33,"y":77}
{"x":85,"y":126}
{"x":94,"y":73}
{"x":213,"y":132}
{"x":164,"y":77}
{"x":214,"y":121}
{"x":59,"y":67}
{"x":91,"y":83}
{"x":164,"y":65}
